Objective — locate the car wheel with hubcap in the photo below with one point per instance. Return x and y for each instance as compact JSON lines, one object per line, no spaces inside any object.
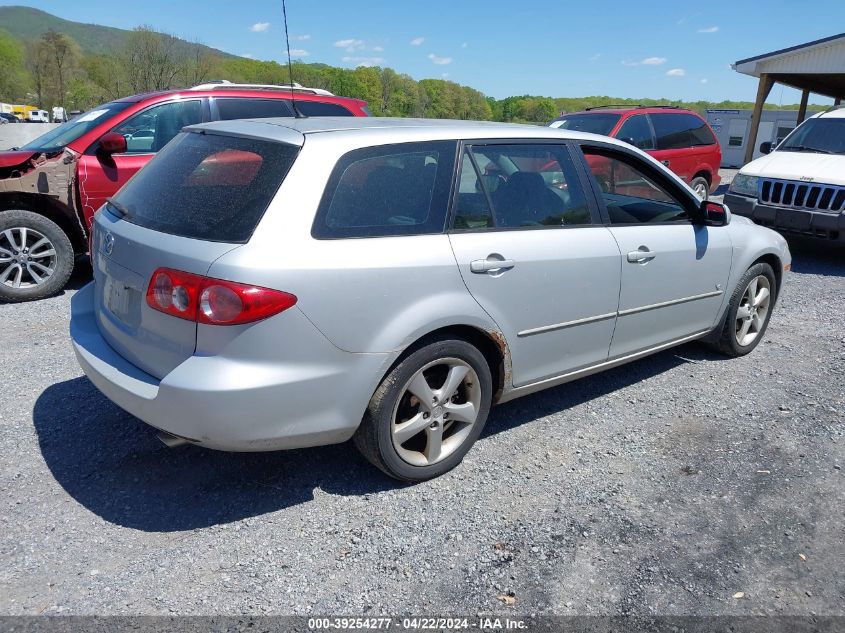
{"x":36,"y":257}
{"x":749,"y":311}
{"x":701,"y":187}
{"x":428,"y":411}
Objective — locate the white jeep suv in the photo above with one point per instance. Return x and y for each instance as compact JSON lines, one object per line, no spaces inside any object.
{"x":799,"y":186}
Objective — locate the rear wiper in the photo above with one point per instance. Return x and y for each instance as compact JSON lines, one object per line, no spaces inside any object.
{"x":121,"y":210}
{"x":805,"y":148}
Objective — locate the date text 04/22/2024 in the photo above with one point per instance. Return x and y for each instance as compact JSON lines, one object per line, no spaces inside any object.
{"x":418,"y":623}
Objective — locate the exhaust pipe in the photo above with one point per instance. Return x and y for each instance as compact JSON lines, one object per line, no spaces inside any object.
{"x":170,"y":440}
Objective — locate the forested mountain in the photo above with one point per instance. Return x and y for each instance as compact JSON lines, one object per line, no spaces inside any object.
{"x":28,"y":24}
{"x":48,"y":61}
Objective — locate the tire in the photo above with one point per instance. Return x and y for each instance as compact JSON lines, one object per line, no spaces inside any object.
{"x":729,"y":340}
{"x":43,"y":270}
{"x":399,"y":432}
{"x":701,"y":187}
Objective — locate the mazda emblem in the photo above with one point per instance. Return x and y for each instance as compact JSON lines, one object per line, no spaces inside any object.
{"x":108,"y":243}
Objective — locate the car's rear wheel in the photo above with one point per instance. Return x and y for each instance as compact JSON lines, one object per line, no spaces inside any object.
{"x":749,"y":311}
{"x":428,"y":411}
{"x":36,"y":257}
{"x":701,"y":187}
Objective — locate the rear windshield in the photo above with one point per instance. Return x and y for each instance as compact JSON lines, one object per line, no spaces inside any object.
{"x":206,"y":186}
{"x":593,"y":123}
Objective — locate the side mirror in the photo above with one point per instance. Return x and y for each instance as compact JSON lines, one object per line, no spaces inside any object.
{"x":714,"y":213}
{"x":766,"y":147}
{"x":112,"y":143}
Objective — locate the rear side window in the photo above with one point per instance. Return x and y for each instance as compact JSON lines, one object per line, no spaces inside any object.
{"x":598,"y":123}
{"x":207,"y":187}
{"x":398,"y":189}
{"x":318,"y":108}
{"x":252,"y":108}
{"x":679,"y":130}
{"x":529,"y":186}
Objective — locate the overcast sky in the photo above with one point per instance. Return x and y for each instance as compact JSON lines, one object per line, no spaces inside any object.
{"x":679,"y":50}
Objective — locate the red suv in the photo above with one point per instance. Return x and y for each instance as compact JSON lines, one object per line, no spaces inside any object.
{"x":51,"y":187}
{"x":680,"y":139}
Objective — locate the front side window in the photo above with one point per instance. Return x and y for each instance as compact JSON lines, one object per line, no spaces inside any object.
{"x":149,"y":131}
{"x":229,"y":109}
{"x":637,"y":131}
{"x":527,"y":185}
{"x":387,"y":190}
{"x":631,"y":193}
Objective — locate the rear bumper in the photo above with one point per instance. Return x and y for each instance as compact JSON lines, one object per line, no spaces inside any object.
{"x":236,"y":404}
{"x":717,"y":179}
{"x":829,"y":226}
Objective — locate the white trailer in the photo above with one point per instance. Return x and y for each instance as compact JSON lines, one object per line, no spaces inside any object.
{"x":732,"y":126}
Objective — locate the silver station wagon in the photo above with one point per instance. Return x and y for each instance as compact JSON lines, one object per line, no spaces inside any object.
{"x":278,"y":283}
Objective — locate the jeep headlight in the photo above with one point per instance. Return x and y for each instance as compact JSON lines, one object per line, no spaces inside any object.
{"x":744,"y":185}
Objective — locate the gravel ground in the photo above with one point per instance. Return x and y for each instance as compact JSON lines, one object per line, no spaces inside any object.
{"x":663,"y":487}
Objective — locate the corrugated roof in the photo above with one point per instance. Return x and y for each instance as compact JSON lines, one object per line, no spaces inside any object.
{"x":790,"y":49}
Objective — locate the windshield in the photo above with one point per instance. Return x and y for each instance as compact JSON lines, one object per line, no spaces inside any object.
{"x":826,"y":136}
{"x":593,"y":123}
{"x":68,"y":132}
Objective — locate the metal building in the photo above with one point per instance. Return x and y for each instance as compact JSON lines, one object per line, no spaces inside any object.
{"x":817,"y":67}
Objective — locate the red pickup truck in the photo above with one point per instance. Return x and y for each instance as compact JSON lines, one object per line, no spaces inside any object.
{"x":51,"y":187}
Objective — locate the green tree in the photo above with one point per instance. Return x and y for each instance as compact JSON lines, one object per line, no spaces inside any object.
{"x":108,"y":75}
{"x":150,"y":60}
{"x":63,"y":54}
{"x":38,"y":64}
{"x":14,"y":79}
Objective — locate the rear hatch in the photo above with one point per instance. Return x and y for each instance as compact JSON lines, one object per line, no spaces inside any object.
{"x":200,"y":197}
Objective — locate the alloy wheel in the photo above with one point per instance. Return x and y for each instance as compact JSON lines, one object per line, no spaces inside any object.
{"x":753,"y":310}
{"x":437,"y":410}
{"x":27,"y":257}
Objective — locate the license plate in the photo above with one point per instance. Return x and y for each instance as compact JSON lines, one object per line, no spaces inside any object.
{"x":795,"y":220}
{"x":120,"y":299}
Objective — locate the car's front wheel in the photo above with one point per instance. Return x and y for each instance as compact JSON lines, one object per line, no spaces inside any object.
{"x":749,"y":311}
{"x":36,"y":257}
{"x":428,"y":411}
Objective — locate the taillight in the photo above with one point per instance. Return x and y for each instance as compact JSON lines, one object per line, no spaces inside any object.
{"x":213,"y":301}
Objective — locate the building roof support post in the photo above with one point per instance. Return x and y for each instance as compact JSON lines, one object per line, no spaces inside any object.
{"x":802,"y":109}
{"x":763,"y":90}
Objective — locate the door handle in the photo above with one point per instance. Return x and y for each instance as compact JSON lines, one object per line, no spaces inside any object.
{"x":493,"y":263}
{"x":641,"y":255}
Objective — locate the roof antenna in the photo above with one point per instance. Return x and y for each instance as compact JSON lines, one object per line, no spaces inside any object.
{"x":296,"y":111}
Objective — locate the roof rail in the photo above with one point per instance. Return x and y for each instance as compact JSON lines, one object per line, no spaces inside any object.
{"x":223,"y":84}
{"x":611,"y":105}
{"x":632,"y":106}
